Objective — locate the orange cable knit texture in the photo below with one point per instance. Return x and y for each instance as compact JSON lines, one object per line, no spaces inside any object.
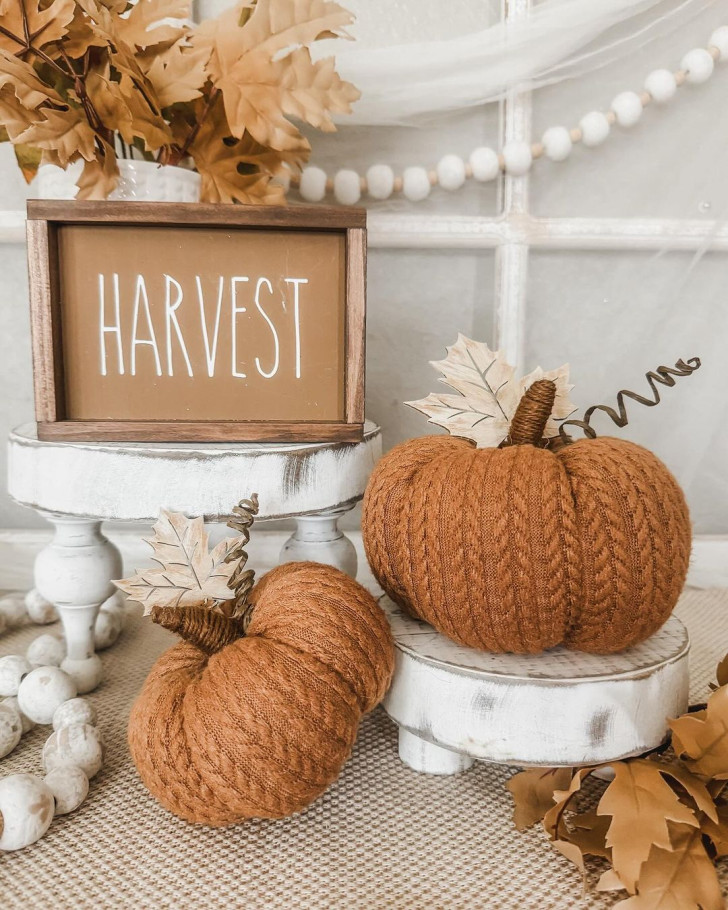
{"x":262,"y":727}
{"x":522,"y":548}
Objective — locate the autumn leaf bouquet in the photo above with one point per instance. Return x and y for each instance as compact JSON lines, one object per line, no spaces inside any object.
{"x":99,"y":80}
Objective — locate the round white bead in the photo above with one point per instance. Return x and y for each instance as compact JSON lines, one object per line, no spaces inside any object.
{"x":485,"y":164}
{"x":75,"y":711}
{"x":46,"y":651}
{"x":13,"y":668}
{"x":719,"y":39}
{"x":451,"y":172}
{"x":594,"y":128}
{"x":27,"y":723}
{"x":313,"y":184}
{"x":627,"y":108}
{"x":11,"y":728}
{"x":77,"y":744}
{"x":661,"y":85}
{"x":416,"y":184}
{"x":69,"y":786}
{"x":26,"y":807}
{"x":557,"y":144}
{"x":116,"y":602}
{"x":347,"y":187}
{"x":380,"y":181}
{"x":42,"y":691}
{"x":12,"y":607}
{"x":698,"y":65}
{"x":517,"y":157}
{"x":39,"y":609}
{"x":107,"y":629}
{"x":86,"y":672}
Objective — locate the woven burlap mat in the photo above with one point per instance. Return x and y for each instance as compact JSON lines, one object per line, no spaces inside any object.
{"x":383,"y":836}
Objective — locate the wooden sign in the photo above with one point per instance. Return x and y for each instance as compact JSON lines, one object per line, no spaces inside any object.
{"x":172,"y":322}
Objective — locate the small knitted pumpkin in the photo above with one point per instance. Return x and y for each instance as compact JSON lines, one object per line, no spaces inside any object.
{"x":536,"y":542}
{"x":231,"y":726}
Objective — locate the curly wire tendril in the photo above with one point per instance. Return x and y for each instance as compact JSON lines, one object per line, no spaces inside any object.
{"x":242,"y":579}
{"x":662,"y":375}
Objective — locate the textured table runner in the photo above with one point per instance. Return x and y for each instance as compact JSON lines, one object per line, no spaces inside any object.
{"x":382,"y":837}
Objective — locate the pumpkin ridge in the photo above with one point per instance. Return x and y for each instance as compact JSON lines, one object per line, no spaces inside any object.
{"x":470,"y":521}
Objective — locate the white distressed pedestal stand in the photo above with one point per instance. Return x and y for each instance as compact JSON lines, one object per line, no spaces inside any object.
{"x":77,"y":485}
{"x":454,"y":705}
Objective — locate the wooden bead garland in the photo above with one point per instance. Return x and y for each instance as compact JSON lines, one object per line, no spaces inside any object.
{"x":516,"y":157}
{"x":72,"y":755}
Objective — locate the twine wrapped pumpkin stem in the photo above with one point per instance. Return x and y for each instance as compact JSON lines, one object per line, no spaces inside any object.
{"x":202,"y":627}
{"x":532,"y":414}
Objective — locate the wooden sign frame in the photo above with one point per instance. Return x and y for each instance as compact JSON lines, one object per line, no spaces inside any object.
{"x":44,"y":220}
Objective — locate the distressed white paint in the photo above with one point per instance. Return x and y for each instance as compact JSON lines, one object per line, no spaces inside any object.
{"x":558,"y":708}
{"x":318,"y":538}
{"x":132,"y":481}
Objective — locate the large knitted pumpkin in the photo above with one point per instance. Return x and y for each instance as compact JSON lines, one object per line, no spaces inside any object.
{"x":231,"y":726}
{"x":533,"y":543}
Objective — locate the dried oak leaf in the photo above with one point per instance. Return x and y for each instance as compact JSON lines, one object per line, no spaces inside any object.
{"x":313,"y":91}
{"x":30,"y":91}
{"x":190,"y":574}
{"x":45,"y":23}
{"x":99,"y":177}
{"x":640,"y":803}
{"x":533,"y":793}
{"x":700,"y":739}
{"x":177,"y":75}
{"x":66,"y":133}
{"x":145,"y":27}
{"x":679,"y":876}
{"x":488,"y":394}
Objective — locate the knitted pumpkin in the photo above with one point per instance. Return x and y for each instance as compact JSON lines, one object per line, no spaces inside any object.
{"x":533,"y":543}
{"x":231,"y":726}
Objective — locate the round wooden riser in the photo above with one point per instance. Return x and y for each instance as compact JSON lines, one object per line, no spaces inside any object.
{"x":454,"y":705}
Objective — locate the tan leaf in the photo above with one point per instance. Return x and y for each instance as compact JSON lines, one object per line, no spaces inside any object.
{"x":149,"y":126}
{"x":313,"y":91}
{"x":571,"y":852}
{"x":190,"y":575}
{"x":80,"y":37}
{"x":533,"y":793}
{"x":609,"y":881}
{"x":45,"y":22}
{"x":177,"y":75}
{"x":66,"y":133}
{"x":144,"y":26}
{"x":588,"y":832}
{"x":279,"y":25}
{"x":722,"y":672}
{"x":24,"y":81}
{"x":99,"y":177}
{"x":110,"y":104}
{"x":640,"y":803}
{"x":717,"y":830}
{"x":679,"y":876}
{"x":14,"y":117}
{"x":701,"y":738}
{"x":693,"y":786}
{"x":554,"y":818}
{"x":28,"y":159}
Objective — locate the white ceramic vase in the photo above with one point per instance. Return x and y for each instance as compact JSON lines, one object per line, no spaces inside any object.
{"x":139,"y":181}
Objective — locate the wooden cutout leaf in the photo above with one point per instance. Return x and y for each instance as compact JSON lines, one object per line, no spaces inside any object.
{"x":488,"y":394}
{"x":190,"y":575}
{"x":701,"y":738}
{"x":679,"y":876}
{"x":533,"y":793}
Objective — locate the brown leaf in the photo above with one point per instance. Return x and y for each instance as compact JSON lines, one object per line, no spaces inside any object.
{"x":701,"y":738}
{"x":143,"y":27}
{"x":24,"y":81}
{"x":177,"y":75}
{"x":110,"y":104}
{"x":588,"y":832}
{"x":609,"y":881}
{"x":145,"y":123}
{"x":45,"y":22}
{"x":313,"y":91}
{"x":640,"y":803}
{"x":99,"y":177}
{"x":694,"y":787}
{"x":28,"y":158}
{"x":722,"y":672}
{"x":717,"y":830}
{"x":66,"y":133}
{"x":533,"y":793}
{"x":679,"y":876}
{"x":553,"y":819}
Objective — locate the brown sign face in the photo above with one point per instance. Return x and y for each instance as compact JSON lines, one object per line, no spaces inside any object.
{"x":199,"y":323}
{"x":167,"y":322}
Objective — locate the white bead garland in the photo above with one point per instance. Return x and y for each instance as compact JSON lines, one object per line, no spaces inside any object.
{"x":627,"y":108}
{"x":517,"y":156}
{"x":42,"y":691}
{"x":698,"y":65}
{"x":484,"y":164}
{"x":557,"y":143}
{"x":72,"y":755}
{"x":46,"y":651}
{"x":451,"y":172}
{"x":416,"y":184}
{"x":594,"y":128}
{"x":39,"y":609}
{"x":13,"y":668}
